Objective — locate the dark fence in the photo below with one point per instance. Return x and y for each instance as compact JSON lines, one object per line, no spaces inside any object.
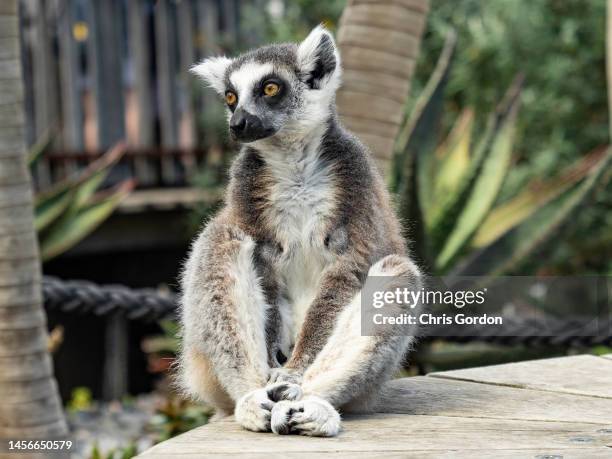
{"x":99,"y":71}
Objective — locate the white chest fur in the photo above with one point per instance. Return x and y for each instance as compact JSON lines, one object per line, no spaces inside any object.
{"x":302,"y":199}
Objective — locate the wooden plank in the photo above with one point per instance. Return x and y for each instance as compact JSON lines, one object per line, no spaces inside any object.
{"x":45,"y":84}
{"x":591,"y":453}
{"x":208,"y":19}
{"x":229,"y":18}
{"x":165,"y":40}
{"x":72,"y":108}
{"x":168,"y":199}
{"x":396,"y":433}
{"x":581,"y":374}
{"x":106,"y":70}
{"x":116,"y":357}
{"x":27,"y":89}
{"x":445,"y":397}
{"x":185,"y":17}
{"x":142,"y":85}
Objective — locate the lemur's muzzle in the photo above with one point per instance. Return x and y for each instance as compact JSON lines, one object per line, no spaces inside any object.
{"x":246,"y":127}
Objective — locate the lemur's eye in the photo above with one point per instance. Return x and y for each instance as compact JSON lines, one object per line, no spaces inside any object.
{"x":230,"y":98}
{"x":271,"y":89}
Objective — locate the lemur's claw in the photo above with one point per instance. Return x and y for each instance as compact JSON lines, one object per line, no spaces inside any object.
{"x":312,"y":416}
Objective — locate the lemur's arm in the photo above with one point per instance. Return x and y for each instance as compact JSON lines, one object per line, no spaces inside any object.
{"x":339,"y":284}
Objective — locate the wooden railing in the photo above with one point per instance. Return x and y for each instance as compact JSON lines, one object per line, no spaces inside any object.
{"x":100,"y":71}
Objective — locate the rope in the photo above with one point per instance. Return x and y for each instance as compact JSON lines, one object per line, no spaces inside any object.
{"x":85,"y":297}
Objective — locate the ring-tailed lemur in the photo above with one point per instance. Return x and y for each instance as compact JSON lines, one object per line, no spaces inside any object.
{"x":277,"y":273}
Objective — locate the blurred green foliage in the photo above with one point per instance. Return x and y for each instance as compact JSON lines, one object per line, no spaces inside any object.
{"x":74,"y":207}
{"x":81,"y":399}
{"x":125,"y":452}
{"x":450,"y":192}
{"x":301,"y":16}
{"x":559,"y":47}
{"x":177,"y":416}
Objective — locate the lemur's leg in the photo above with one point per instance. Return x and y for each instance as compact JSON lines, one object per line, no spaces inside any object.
{"x":350,"y":365}
{"x":224,"y":360}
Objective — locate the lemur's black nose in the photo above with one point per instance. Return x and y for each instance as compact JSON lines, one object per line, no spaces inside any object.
{"x":238,"y":122}
{"x":246,"y":127}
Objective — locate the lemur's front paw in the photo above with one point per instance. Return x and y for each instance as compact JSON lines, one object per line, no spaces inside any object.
{"x":253,"y":411}
{"x":284,"y":391}
{"x":311,"y":416}
{"x":281,"y":374}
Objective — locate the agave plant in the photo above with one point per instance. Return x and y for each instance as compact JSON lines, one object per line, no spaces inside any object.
{"x":73,"y":208}
{"x":450,"y":192}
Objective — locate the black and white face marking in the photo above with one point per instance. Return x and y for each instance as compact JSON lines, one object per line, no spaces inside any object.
{"x":280,"y":91}
{"x":263,"y":100}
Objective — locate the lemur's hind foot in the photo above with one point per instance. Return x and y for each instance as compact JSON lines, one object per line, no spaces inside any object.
{"x":311,"y":416}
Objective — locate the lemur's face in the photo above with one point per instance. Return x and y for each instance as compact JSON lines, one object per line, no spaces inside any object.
{"x":278,"y":91}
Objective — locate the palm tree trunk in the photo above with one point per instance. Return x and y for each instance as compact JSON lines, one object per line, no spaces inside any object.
{"x":379,"y":43}
{"x":30,"y":405}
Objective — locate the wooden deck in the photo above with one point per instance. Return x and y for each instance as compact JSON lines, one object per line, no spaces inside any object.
{"x":554,"y":408}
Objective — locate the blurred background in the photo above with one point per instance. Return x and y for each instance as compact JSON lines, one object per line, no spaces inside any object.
{"x":488,"y":119}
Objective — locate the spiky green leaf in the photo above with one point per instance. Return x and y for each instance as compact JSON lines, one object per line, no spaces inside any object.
{"x":536,"y":194}
{"x":533,"y":237}
{"x":416,"y":143}
{"x":453,"y":158}
{"x":75,"y":225}
{"x":450,"y":207}
{"x":41,"y":145}
{"x":485,"y":190}
{"x":74,"y":191}
{"x":50,"y":207}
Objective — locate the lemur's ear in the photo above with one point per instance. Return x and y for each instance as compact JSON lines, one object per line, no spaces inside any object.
{"x":318,"y":59}
{"x":212,"y":70}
